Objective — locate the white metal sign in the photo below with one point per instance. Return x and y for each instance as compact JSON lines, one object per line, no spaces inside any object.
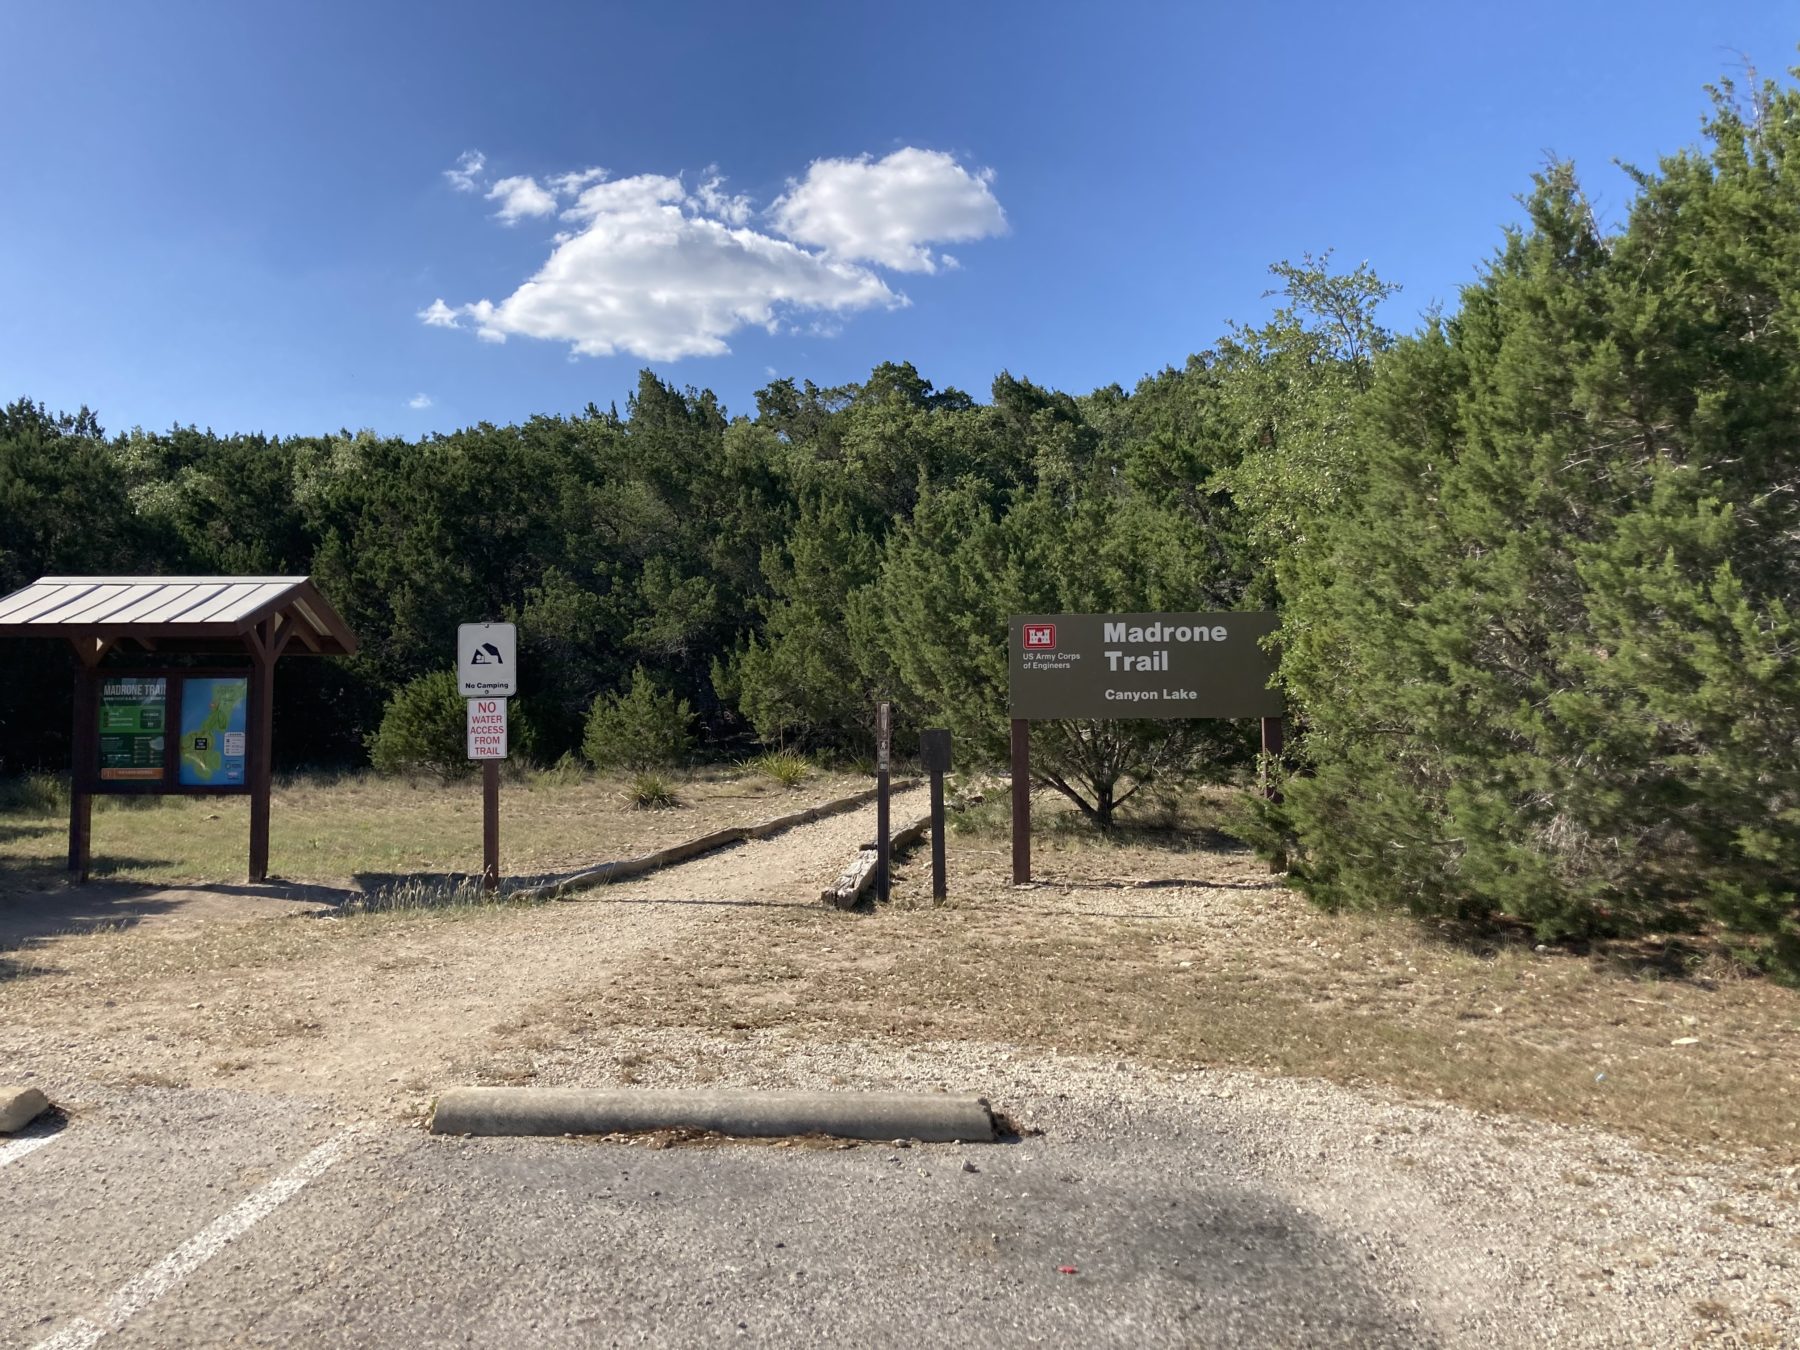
{"x":487,"y":728}
{"x":485,"y":660}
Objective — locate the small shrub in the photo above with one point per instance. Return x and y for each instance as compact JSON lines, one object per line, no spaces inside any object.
{"x":34,"y":794}
{"x":566,"y":772}
{"x":644,"y":728}
{"x":425,"y":728}
{"x":785,"y":767}
{"x":651,"y":792}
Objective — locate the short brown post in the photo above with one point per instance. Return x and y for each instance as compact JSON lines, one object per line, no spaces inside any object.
{"x":490,"y":824}
{"x":934,"y":754}
{"x":1021,"y":800}
{"x":83,"y":755}
{"x":884,"y":733}
{"x":1273,"y":738}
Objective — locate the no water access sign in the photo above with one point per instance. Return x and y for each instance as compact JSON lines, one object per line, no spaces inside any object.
{"x":487,"y":728}
{"x":486,"y":660}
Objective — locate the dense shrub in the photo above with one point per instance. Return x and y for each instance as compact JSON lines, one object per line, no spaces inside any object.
{"x":646,"y":727}
{"x":425,"y":728}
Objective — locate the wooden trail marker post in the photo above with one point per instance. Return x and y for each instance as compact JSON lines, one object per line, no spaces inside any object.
{"x":1132,"y":666}
{"x":934,"y":754}
{"x":884,"y":728}
{"x":487,"y":674}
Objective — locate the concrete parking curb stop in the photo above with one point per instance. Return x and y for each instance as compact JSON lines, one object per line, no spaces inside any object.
{"x":927,"y":1117}
{"x":19,"y":1106}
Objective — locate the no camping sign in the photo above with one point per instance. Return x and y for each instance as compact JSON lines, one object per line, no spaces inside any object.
{"x":487,"y":728}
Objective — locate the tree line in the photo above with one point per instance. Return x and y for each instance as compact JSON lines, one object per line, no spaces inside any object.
{"x":1536,"y":561}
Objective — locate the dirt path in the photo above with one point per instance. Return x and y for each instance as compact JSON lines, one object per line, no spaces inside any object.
{"x":381,"y":1010}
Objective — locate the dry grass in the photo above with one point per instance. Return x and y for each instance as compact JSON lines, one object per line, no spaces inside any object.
{"x":1241,"y":973}
{"x":331,"y":829}
{"x":1207,"y":961}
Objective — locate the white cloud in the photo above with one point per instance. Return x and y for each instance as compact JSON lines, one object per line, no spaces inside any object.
{"x":886,"y":211}
{"x":568,"y":184}
{"x":419,"y":401}
{"x":643,"y":275}
{"x":647,"y":267}
{"x":438,"y":315}
{"x":521,"y":197}
{"x":712,"y":198}
{"x":464,"y":177}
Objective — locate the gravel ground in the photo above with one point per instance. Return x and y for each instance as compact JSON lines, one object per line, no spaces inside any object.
{"x":1512,"y":1233}
{"x":1507,"y":1232}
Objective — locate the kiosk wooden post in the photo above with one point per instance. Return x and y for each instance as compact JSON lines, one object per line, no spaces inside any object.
{"x":266,"y":642}
{"x":84,"y":745}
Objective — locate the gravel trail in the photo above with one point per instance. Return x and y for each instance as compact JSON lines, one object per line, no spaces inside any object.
{"x":791,"y":868}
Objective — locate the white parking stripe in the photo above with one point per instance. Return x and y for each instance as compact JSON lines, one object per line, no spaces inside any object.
{"x":169,"y":1272}
{"x":18,"y":1148}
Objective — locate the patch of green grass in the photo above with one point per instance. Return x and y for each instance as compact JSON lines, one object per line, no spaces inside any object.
{"x":566,"y":772}
{"x":35,"y":794}
{"x":786,"y":767}
{"x":651,"y":792}
{"x":426,"y":894}
{"x":360,"y":826}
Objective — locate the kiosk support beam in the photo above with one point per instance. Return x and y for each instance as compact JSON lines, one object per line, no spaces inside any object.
{"x":84,"y":751}
{"x":266,"y":642}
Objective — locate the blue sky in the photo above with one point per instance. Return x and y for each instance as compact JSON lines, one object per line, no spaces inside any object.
{"x":237,"y":214}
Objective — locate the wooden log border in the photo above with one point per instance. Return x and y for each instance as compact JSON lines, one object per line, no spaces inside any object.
{"x":858,"y":876}
{"x":626,"y":868}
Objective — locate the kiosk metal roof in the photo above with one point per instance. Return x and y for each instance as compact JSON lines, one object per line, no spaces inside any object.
{"x":191,"y":613}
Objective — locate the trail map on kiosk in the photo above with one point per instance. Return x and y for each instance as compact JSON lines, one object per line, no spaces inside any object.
{"x":486,"y":665}
{"x":212,"y":732}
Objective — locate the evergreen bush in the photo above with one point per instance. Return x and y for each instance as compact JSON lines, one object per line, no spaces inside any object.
{"x":425,"y":728}
{"x":646,"y":727}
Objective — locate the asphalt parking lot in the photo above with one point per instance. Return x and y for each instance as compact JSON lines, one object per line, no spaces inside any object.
{"x":158,"y":1217}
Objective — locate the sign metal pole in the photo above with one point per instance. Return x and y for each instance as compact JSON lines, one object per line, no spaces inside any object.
{"x":884,"y":727}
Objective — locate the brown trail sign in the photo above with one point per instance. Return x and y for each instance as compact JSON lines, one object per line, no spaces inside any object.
{"x":1127,"y":666}
{"x":167,"y":728}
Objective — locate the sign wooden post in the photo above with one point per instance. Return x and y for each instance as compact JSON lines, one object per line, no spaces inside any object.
{"x":884,"y":727}
{"x":490,"y":824}
{"x":1273,"y":737}
{"x":1021,"y":800}
{"x":934,"y":754}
